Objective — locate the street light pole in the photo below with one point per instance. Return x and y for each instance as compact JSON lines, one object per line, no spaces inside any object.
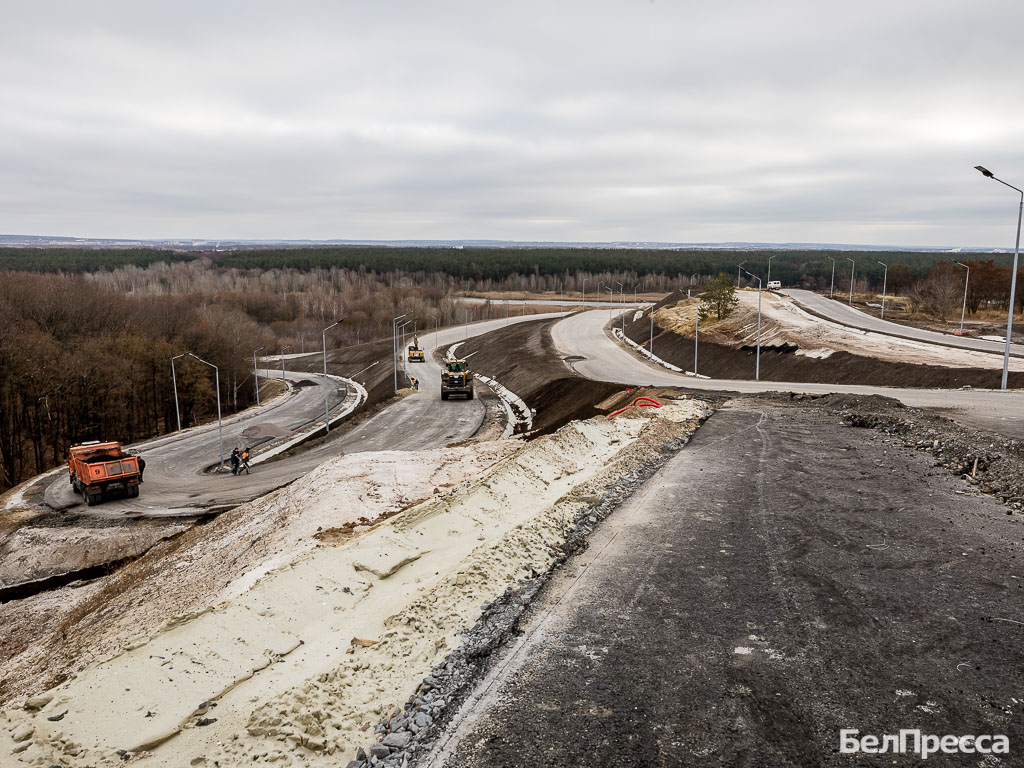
{"x":967,"y":282}
{"x":769,"y":278}
{"x":832,"y":290}
{"x":757,"y":367}
{"x":622,"y":316}
{"x":402,"y":349}
{"x":174,"y":382}
{"x":885,"y":276}
{"x":327,"y":407}
{"x":255,"y":373}
{"x":1013,"y":276}
{"x":394,"y":347}
{"x":738,"y":270}
{"x":285,"y":349}
{"x":696,"y":338}
{"x":853,"y":266}
{"x":583,"y":301}
{"x":220,"y":425}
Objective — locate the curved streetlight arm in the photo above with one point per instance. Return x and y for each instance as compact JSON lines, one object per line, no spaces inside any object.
{"x":987,"y":173}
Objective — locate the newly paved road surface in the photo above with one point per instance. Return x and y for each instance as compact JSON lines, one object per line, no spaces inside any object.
{"x":591,"y":353}
{"x":175,"y":480}
{"x":782,"y":578}
{"x":847,"y":315}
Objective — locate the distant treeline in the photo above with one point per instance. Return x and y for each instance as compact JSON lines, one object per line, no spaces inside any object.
{"x":77,"y":260}
{"x":792,"y":267}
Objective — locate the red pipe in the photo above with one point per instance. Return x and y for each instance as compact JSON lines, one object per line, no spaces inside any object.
{"x":651,"y":403}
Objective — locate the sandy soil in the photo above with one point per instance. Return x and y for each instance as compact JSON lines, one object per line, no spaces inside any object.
{"x":51,"y":635}
{"x":294,"y":667}
{"x":783,"y":322}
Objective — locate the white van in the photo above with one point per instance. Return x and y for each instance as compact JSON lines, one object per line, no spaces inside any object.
{"x":774,"y":285}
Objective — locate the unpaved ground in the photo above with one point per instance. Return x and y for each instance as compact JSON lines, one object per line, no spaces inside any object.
{"x":788,"y":575}
{"x":784,"y":322}
{"x":55,"y":633}
{"x":796,"y":346}
{"x":277,"y":664}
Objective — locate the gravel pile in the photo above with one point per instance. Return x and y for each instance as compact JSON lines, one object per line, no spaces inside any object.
{"x":992,"y":463}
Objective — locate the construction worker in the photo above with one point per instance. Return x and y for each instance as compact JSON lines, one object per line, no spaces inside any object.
{"x":235,"y":460}
{"x":245,"y":461}
{"x":415,"y":383}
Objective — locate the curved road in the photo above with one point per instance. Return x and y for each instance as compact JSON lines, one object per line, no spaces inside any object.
{"x":593,"y":354}
{"x":175,"y":480}
{"x":846,"y":315}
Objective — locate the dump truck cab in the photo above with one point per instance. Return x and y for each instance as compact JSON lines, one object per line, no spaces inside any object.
{"x":456,"y":379}
{"x":96,"y":468}
{"x":415,"y":353}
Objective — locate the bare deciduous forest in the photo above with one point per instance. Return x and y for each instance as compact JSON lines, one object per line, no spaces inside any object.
{"x":86,"y":337}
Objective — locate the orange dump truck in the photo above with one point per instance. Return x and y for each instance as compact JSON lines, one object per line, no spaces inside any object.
{"x":96,"y":468}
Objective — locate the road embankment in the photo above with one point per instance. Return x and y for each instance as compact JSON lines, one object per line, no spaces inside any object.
{"x":798,"y":347}
{"x":310,"y":648}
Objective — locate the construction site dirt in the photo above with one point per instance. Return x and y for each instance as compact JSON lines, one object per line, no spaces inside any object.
{"x":806,"y":563}
{"x":786,"y":361}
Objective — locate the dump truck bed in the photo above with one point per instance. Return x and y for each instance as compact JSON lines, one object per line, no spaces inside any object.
{"x":98,"y":468}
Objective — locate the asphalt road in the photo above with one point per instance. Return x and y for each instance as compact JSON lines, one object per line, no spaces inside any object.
{"x":782,"y":578}
{"x":176,"y":483}
{"x":590,"y":352}
{"x":847,"y":315}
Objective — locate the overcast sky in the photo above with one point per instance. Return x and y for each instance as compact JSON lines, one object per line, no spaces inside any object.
{"x":854,"y":122}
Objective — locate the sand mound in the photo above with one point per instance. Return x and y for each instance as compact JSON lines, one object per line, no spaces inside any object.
{"x":299,"y":666}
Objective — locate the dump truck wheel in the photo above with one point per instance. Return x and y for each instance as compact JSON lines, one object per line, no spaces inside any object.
{"x":92,"y":499}
{"x":133,"y":492}
{"x":444,"y":395}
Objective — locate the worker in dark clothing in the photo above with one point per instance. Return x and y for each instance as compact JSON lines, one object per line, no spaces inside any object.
{"x":234,"y":461}
{"x":142,"y":468}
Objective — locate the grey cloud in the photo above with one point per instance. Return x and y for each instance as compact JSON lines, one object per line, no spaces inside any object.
{"x":794,"y":121}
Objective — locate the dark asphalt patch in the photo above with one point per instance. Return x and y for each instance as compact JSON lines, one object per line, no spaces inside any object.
{"x":767,"y":592}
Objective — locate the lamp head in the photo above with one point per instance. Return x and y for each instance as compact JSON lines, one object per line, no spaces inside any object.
{"x":985,"y":171}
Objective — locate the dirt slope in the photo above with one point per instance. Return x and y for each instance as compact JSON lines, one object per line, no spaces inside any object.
{"x":781,"y":359}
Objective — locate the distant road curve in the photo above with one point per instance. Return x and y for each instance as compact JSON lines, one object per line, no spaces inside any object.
{"x":581,"y":338}
{"x":176,"y":483}
{"x":844,"y":314}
